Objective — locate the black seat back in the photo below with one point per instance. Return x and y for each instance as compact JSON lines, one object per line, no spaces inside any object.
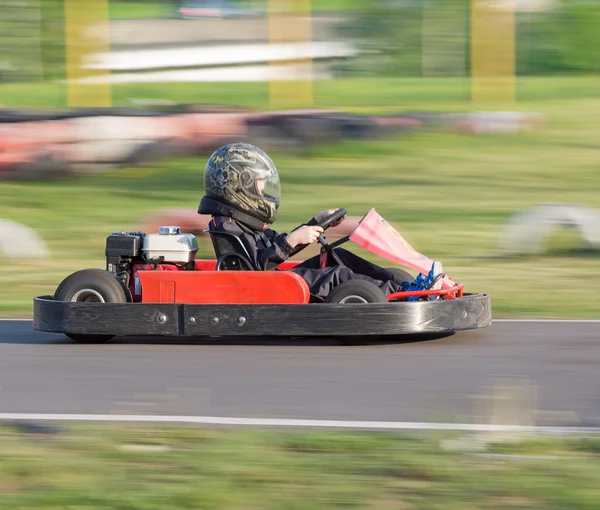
{"x":230,"y":252}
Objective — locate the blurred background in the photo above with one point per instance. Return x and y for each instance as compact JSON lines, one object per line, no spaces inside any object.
{"x":471,"y":125}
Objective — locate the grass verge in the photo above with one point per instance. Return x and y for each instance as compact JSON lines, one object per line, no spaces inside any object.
{"x":359,"y":94}
{"x":143,"y":468}
{"x":139,"y":10}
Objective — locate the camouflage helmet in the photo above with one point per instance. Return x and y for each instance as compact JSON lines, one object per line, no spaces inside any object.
{"x":231,"y":176}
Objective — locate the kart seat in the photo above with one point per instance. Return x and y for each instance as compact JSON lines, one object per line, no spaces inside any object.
{"x":230,"y":251}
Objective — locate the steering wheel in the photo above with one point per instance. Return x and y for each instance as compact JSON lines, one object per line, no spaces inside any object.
{"x":324,"y":224}
{"x":337,"y":215}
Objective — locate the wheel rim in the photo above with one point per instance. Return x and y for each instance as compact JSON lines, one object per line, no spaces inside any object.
{"x":87,"y":296}
{"x":353,"y":299}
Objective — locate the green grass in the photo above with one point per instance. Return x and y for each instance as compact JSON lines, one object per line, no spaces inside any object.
{"x":134,"y":10}
{"x":370,"y":94}
{"x":451,"y":195}
{"x":89,"y":468}
{"x":349,"y":93}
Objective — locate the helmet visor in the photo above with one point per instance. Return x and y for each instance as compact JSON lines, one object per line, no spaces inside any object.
{"x":267,"y":184}
{"x":271,"y":187}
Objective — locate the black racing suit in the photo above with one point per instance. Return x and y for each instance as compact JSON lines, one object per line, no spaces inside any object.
{"x":268,"y":249}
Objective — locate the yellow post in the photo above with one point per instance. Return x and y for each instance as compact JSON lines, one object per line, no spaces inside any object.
{"x":87,"y":30}
{"x":289,"y":22}
{"x":493,"y":70}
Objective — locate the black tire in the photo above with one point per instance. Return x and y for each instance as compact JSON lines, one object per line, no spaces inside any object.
{"x":91,"y":285}
{"x":357,"y":291}
{"x":400,"y":275}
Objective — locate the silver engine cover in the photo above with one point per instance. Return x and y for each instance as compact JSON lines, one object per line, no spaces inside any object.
{"x":171,"y":244}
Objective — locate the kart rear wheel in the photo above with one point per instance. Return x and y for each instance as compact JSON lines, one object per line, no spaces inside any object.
{"x":357,"y":291}
{"x":91,"y":286}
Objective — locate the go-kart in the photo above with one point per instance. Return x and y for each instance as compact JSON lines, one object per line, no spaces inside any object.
{"x":153,"y":285}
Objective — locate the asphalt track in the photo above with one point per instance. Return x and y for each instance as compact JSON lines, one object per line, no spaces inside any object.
{"x":521,"y":372}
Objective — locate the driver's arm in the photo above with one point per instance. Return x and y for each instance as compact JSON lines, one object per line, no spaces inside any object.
{"x":271,"y":256}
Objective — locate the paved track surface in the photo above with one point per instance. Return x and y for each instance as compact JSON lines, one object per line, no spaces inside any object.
{"x":553,"y":368}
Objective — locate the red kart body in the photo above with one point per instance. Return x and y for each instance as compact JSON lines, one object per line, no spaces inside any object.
{"x":170,"y":284}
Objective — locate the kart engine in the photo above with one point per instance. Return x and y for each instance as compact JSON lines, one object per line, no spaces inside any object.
{"x":169,"y":249}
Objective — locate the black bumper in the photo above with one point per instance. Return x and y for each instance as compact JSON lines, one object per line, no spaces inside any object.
{"x":146,"y":319}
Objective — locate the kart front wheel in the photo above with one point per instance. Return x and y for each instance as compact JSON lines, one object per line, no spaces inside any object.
{"x":90,"y":286}
{"x":357,"y":291}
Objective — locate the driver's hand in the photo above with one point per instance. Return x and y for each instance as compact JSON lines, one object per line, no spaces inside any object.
{"x":324,"y":214}
{"x":306,"y":234}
